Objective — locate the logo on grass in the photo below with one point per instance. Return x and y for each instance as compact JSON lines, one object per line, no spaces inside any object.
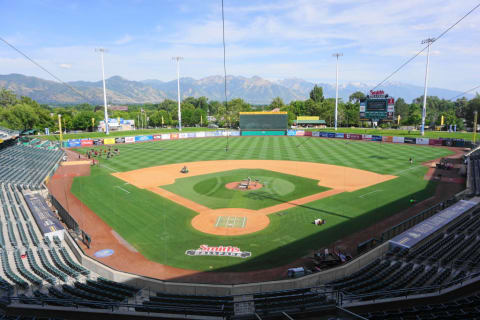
{"x":220,"y":251}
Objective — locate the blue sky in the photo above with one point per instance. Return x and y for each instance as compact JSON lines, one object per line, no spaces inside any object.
{"x":272,"y":39}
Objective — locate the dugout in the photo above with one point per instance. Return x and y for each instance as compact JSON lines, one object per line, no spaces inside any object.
{"x":263,"y":123}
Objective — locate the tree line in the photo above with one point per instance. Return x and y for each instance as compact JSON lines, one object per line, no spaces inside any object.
{"x":22,"y":113}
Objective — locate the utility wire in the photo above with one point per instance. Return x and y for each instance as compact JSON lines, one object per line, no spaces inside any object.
{"x":419,"y":52}
{"x":225,"y":69}
{"x":463,"y":93}
{"x":44,"y":69}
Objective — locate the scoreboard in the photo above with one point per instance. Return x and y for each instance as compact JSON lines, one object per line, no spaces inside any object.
{"x":377,"y":106}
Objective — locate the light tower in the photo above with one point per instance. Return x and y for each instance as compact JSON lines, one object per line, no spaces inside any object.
{"x":102,"y":51}
{"x":428,"y":41}
{"x":178,"y":92}
{"x":337,"y":55}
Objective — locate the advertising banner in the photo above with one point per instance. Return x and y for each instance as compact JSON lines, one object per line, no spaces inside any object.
{"x":409,"y":140}
{"x":330,"y":134}
{"x":339,"y":135}
{"x":308,"y":133}
{"x":397,"y":139}
{"x":218,"y":133}
{"x":458,"y":143}
{"x":87,"y":142}
{"x":387,"y":139}
{"x":355,"y":136}
{"x":191,"y":135}
{"x":263,"y":133}
{"x":220,"y":251}
{"x":235,"y":133}
{"x":165,"y":136}
{"x":200,"y":134}
{"x":129,"y":139}
{"x":435,"y":142}
{"x":323,"y":134}
{"x":316,"y":133}
{"x":376,"y":138}
{"x":224,"y":133}
{"x":300,"y":133}
{"x":98,"y":142}
{"x":210,"y":134}
{"x":157,"y":137}
{"x":120,"y":140}
{"x":422,"y":141}
{"x":143,"y":138}
{"x":174,"y":136}
{"x":182,"y":135}
{"x":367,"y":137}
{"x":74,"y":143}
{"x":109,"y":141}
{"x":291,"y":132}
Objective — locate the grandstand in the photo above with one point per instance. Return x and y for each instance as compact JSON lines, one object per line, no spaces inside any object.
{"x":46,"y":275}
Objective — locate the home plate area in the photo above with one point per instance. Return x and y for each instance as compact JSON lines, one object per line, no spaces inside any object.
{"x":230,"y":222}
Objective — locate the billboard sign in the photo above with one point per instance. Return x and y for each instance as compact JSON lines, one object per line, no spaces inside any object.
{"x":219,"y":251}
{"x":109,"y":141}
{"x":143,"y":138}
{"x":86,"y":142}
{"x":129,"y":139}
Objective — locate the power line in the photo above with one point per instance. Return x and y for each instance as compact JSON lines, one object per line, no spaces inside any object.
{"x":419,"y":52}
{"x":463,"y":93}
{"x":44,"y":69}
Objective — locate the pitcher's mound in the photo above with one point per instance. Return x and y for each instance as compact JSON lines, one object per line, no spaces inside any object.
{"x":242,"y":185}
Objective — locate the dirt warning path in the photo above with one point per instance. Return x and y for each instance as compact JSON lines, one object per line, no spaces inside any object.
{"x":337,"y":178}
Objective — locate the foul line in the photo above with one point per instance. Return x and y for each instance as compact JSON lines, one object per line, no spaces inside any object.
{"x":122,"y":189}
{"x":398,"y":172}
{"x":103,"y":165}
{"x":363,"y":195}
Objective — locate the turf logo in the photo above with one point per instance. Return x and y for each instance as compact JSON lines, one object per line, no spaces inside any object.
{"x":220,"y":251}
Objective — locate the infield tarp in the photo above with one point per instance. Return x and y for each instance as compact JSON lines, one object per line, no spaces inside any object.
{"x":429,"y":226}
{"x":109,"y":141}
{"x":46,"y":220}
{"x":291,"y":132}
{"x":200,"y":134}
{"x":143,"y":138}
{"x":165,"y":136}
{"x":397,"y":139}
{"x":339,"y":135}
{"x":129,"y":139}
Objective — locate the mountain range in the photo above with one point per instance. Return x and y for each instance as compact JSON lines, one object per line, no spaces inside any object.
{"x":255,"y":90}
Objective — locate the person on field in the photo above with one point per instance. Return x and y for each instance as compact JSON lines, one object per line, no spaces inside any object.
{"x":411,"y":160}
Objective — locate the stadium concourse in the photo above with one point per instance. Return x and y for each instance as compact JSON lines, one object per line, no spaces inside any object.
{"x":45,"y":274}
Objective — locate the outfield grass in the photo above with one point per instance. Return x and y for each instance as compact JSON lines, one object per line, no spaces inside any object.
{"x":402,"y":133}
{"x":161,"y":229}
{"x":209,"y":190}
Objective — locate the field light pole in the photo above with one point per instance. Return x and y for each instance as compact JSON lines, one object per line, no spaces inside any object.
{"x":102,"y":51}
{"x":178,"y":92}
{"x":337,"y":55}
{"x":428,"y":41}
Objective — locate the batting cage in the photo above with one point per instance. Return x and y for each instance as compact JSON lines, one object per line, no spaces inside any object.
{"x":264,"y":123}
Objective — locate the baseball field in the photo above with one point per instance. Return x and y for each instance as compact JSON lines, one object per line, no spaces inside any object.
{"x":164,"y":213}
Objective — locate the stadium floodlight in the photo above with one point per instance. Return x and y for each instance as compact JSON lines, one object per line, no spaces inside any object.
{"x":178,"y":92}
{"x":102,"y":51}
{"x":337,"y":55}
{"x":427,"y":41}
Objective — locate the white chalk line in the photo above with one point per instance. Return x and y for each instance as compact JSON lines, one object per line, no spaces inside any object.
{"x":363,"y":195}
{"x":103,"y":165}
{"x":122,"y":189}
{"x":404,"y":170}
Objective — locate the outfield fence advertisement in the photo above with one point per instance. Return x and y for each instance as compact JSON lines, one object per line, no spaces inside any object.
{"x":74,"y":143}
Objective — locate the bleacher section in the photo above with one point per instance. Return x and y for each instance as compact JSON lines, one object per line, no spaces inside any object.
{"x":27,"y":167}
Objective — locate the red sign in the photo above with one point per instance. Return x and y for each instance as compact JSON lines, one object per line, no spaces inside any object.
{"x":157,"y":137}
{"x":86,"y":143}
{"x":378,"y":92}
{"x":226,"y":251}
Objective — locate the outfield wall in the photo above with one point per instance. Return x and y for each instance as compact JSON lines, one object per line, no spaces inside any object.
{"x":76,"y":143}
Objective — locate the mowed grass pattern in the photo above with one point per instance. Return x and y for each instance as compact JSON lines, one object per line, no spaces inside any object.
{"x":161,"y":229}
{"x":210,"y":191}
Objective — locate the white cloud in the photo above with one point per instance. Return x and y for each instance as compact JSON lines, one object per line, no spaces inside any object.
{"x":124,"y":40}
{"x":65,"y":66}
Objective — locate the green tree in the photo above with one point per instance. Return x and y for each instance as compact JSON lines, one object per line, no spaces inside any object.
{"x":7,"y":98}
{"x":24,"y":116}
{"x":317,"y":94}
{"x":83,"y":120}
{"x":276,"y":103}
{"x":402,"y":109}
{"x":356,"y":97}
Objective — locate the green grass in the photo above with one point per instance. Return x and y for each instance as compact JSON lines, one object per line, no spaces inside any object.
{"x":209,"y":190}
{"x":56,"y":137}
{"x":161,"y":229}
{"x":402,"y":133}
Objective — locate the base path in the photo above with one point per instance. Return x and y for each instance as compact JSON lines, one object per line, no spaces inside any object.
{"x":337,"y":178}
